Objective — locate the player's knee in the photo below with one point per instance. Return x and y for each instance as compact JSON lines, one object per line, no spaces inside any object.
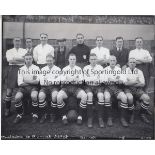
{"x":34,"y":96}
{"x":60,"y":97}
{"x":90,"y":96}
{"x":107,"y":97}
{"x":145,"y":98}
{"x":129,"y":97}
{"x":100,"y":96}
{"x":54,"y":96}
{"x":123,"y":97}
{"x":18,"y":97}
{"x":41,"y":96}
{"x":9,"y":92}
{"x":83,"y":96}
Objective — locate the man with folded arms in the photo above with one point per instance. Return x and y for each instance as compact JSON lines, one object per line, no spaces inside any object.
{"x":28,"y":79}
{"x":50,"y":85}
{"x":134,"y":83}
{"x":71,"y":80}
{"x":93,"y":88}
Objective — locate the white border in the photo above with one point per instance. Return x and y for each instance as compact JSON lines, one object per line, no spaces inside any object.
{"x":79,"y":7}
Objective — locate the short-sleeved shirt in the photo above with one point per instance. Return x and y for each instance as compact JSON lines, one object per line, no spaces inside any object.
{"x":40,"y":52}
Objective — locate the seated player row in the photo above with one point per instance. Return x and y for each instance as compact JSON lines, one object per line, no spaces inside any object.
{"x":51,"y":96}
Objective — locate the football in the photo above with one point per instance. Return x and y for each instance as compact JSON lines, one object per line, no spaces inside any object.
{"x":72,"y":115}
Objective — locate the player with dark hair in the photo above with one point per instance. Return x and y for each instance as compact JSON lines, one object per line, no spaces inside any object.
{"x":29,"y":45}
{"x":93,"y":88}
{"x":28,"y":79}
{"x":113,"y":77}
{"x":81,"y":51}
{"x":101,"y":52}
{"x":50,"y":85}
{"x":120,"y":53}
{"x":41,"y":50}
{"x":134,"y":83}
{"x":15,"y":57}
{"x":61,"y":53}
{"x":71,"y":80}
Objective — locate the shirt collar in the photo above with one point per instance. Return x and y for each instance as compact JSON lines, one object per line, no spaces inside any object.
{"x":28,"y":49}
{"x":29,"y":67}
{"x":133,"y":69}
{"x":119,"y":49}
{"x":113,"y":68}
{"x":80,"y":44}
{"x":139,"y":49}
{"x":16,"y":49}
{"x":94,"y":66}
{"x":43,"y":45}
{"x":99,"y":47}
{"x":49,"y":68}
{"x":70,"y":67}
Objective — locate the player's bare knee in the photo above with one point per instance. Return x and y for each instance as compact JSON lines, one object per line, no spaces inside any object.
{"x":54,"y":96}
{"x":82,"y":95}
{"x":18,"y":97}
{"x":145,"y":98}
{"x":41,"y":96}
{"x":89,"y":96}
{"x":34,"y":95}
{"x":60,"y":97}
{"x":107,"y":97}
{"x":129,"y":97}
{"x":100,"y":96}
{"x":121,"y":96}
{"x":9,"y":92}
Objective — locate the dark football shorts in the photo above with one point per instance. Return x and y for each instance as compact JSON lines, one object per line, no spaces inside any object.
{"x":12,"y":76}
{"x":137,"y":92}
{"x":113,"y":90}
{"x":49,"y":89}
{"x":94,"y":89}
{"x":27,"y":90}
{"x":71,"y":90}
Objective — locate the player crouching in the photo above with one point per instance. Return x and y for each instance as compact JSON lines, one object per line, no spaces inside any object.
{"x":50,"y":83}
{"x":92,"y":79}
{"x":28,"y":79}
{"x":71,"y":80}
{"x":134,"y":83}
{"x":112,"y":78}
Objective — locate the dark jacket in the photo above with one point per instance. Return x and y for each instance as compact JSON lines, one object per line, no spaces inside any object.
{"x":121,"y":56}
{"x":60,"y":57}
